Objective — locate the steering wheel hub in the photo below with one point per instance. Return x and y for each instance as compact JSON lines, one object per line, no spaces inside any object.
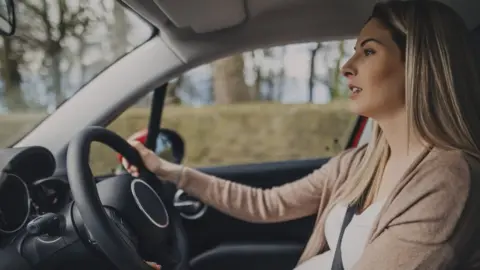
{"x":149,"y":203}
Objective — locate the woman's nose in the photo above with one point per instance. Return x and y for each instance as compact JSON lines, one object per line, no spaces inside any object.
{"x":347,"y":70}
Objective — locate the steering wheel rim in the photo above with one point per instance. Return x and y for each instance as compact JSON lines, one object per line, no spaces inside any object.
{"x":87,"y":200}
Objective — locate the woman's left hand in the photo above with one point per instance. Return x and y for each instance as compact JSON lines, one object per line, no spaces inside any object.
{"x":154,"y":265}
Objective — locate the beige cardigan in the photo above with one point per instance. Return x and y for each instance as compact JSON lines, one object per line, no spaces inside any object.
{"x":430,"y":221}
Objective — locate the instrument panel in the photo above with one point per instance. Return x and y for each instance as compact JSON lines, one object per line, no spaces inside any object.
{"x":20,"y":201}
{"x":15,"y":203}
{"x":27,"y":188}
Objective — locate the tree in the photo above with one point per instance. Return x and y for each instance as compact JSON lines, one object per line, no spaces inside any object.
{"x":171,"y":97}
{"x":333,"y":78}
{"x":119,"y":27}
{"x":11,"y":59}
{"x":311,"y":77}
{"x":229,"y":82}
{"x":335,"y":88}
{"x":51,"y":24}
{"x":257,"y":85}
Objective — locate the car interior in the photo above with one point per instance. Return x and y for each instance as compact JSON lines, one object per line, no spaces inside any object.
{"x":118,"y":221}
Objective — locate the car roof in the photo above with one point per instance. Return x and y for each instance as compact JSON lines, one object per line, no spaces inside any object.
{"x":201,"y":30}
{"x":206,"y":16}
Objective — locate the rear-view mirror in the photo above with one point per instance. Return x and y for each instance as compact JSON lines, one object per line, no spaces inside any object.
{"x":7,"y":17}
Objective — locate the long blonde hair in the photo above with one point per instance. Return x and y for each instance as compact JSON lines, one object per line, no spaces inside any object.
{"x":442,"y":95}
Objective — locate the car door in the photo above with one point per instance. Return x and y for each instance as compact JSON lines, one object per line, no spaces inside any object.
{"x":218,"y":241}
{"x":291,"y":122}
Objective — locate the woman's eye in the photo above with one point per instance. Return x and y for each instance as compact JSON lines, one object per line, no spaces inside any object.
{"x":368,"y":52}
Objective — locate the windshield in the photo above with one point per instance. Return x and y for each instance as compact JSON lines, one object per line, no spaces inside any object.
{"x":59,"y":45}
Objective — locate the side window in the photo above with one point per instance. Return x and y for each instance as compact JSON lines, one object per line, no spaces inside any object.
{"x":273,"y":104}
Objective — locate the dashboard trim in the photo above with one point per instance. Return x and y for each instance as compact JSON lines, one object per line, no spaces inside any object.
{"x":29,"y":203}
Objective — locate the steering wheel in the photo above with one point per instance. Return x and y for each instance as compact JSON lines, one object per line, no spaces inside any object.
{"x":125,"y":217}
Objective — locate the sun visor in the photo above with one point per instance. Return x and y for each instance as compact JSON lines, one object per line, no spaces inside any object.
{"x":203,"y":16}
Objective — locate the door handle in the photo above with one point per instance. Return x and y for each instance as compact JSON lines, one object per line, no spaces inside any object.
{"x":189,"y":207}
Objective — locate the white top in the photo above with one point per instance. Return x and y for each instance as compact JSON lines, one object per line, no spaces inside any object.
{"x":354,"y":240}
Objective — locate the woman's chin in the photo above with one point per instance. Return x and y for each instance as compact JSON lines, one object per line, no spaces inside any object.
{"x":361,"y":109}
{"x":356,"y":107}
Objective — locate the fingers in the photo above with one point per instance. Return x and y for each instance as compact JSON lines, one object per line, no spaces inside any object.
{"x":154,"y":265}
{"x":137,"y":145}
{"x":134,"y":171}
{"x":125,"y":163}
{"x":142,"y":150}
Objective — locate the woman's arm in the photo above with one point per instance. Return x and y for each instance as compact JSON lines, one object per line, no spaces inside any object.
{"x":287,"y":202}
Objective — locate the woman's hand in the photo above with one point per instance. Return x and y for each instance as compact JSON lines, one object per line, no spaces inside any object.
{"x":154,"y":265}
{"x":160,"y":167}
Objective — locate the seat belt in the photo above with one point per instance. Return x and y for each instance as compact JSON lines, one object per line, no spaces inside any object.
{"x":337,"y":259}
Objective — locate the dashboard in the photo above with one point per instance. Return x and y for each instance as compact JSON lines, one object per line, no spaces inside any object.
{"x":42,"y":227}
{"x":22,"y":200}
{"x":27,"y":188}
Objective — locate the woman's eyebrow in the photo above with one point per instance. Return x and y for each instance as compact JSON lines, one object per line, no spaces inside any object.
{"x":365,"y":41}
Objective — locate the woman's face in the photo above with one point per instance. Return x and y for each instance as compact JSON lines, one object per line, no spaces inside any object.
{"x":376,"y":74}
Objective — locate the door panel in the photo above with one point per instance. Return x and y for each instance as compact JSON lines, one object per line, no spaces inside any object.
{"x":249,"y":256}
{"x":216,"y":238}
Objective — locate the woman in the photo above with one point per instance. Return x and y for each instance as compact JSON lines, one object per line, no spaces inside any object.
{"x":410,"y":188}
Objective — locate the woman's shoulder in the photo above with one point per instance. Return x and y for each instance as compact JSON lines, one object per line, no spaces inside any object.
{"x":457,"y":162}
{"x":444,"y":188}
{"x":452,"y":171}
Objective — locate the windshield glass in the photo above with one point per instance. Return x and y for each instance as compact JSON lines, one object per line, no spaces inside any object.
{"x":59,"y":45}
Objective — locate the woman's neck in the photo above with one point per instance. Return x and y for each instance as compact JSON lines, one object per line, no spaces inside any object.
{"x":403,"y":142}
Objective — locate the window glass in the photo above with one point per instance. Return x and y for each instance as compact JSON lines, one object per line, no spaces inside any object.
{"x":260,"y":106}
{"x":275,"y":104}
{"x":58,"y":47}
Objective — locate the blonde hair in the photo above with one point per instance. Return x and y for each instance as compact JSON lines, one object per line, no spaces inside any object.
{"x":442,"y":95}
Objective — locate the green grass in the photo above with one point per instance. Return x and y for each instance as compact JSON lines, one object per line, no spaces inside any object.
{"x":231,"y":134}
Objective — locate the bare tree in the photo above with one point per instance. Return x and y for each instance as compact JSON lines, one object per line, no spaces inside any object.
{"x":172,"y":97}
{"x":52,"y":23}
{"x":335,"y":90}
{"x":120,"y":29}
{"x":281,"y":75}
{"x":229,"y":81}
{"x":257,"y":85}
{"x":333,"y":77}
{"x":11,"y":59}
{"x":270,"y":77}
{"x":311,"y":78}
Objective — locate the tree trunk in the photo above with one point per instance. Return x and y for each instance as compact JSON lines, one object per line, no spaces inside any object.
{"x":336,"y":80}
{"x":11,"y":77}
{"x":311,"y":78}
{"x":229,"y":82}
{"x":171,"y":97}
{"x":256,"y":89}
{"x":121,"y":29}
{"x":57,"y":88}
{"x":281,"y":76}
